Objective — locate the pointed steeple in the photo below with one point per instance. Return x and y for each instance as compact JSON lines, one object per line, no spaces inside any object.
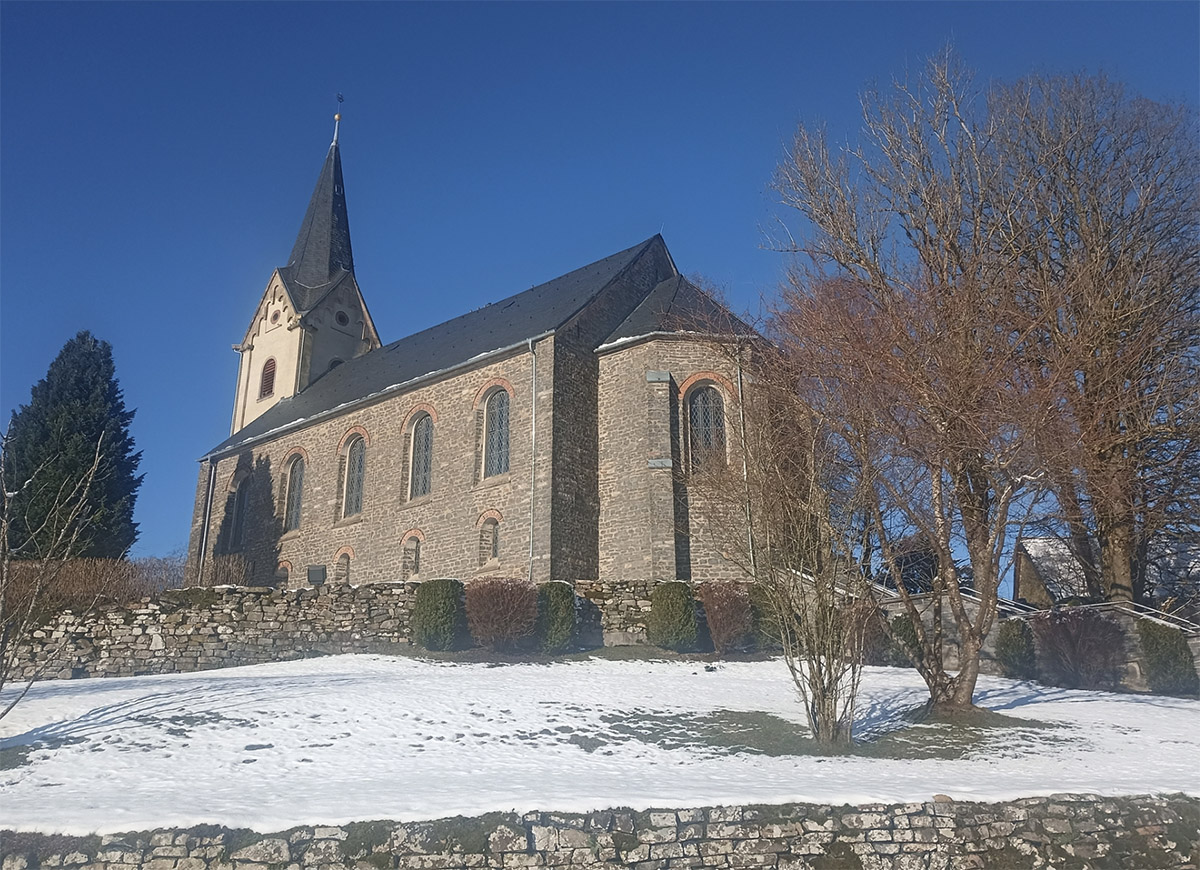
{"x":322,"y":252}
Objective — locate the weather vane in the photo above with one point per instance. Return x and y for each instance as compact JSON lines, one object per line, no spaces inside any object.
{"x":337,"y":117}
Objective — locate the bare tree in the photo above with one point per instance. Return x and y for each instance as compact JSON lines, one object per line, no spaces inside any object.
{"x":786,"y":513}
{"x":27,"y":587}
{"x":916,"y":349}
{"x":1101,"y":239}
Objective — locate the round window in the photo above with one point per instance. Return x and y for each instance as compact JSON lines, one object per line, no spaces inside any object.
{"x":342,"y":318}
{"x":274,"y":316}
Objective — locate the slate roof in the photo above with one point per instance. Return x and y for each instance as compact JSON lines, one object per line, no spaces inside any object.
{"x":500,"y":325}
{"x":322,"y":255}
{"x":676,"y":305}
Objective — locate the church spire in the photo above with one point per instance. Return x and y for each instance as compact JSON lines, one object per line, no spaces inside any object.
{"x":322,"y":251}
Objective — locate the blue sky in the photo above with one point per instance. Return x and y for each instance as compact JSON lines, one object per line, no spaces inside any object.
{"x":156,"y":159}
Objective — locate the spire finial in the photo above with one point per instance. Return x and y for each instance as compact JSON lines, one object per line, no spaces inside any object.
{"x":337,"y":118}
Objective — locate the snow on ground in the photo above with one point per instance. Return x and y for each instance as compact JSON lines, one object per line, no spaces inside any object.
{"x":347,"y":738}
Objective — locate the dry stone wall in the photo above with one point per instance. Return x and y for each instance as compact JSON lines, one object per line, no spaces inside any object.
{"x":225,"y":626}
{"x":201,"y":628}
{"x":1062,"y":831}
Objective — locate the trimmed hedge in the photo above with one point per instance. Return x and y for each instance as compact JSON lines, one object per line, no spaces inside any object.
{"x":764,"y":626}
{"x":439,"y":619}
{"x":1015,"y":650}
{"x":672,"y":620}
{"x":1170,"y":669}
{"x":556,"y":617}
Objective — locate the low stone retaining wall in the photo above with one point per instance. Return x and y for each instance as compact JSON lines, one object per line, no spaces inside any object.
{"x":224,"y":626}
{"x":1074,"y":831}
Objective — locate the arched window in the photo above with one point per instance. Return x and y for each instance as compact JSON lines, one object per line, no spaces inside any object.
{"x":489,"y":541}
{"x":341,"y":571}
{"x":356,"y":460}
{"x":266,"y":386}
{"x":295,"y":494}
{"x":495,"y":442}
{"x":421,"y":476}
{"x":706,"y":427}
{"x":237,"y":514}
{"x":410,"y":557}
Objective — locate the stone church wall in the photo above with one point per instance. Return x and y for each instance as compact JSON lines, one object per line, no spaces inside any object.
{"x":447,"y":519}
{"x":1064,"y":830}
{"x":652,"y":524}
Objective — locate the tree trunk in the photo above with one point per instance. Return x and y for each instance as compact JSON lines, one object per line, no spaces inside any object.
{"x":1117,"y":552}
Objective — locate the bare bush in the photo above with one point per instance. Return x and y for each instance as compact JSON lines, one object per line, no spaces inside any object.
{"x":1079,"y":649}
{"x":727,"y":609}
{"x":82,"y":583}
{"x":501,"y":611}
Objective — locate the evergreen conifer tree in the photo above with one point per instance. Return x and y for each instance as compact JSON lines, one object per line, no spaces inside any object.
{"x":51,"y":445}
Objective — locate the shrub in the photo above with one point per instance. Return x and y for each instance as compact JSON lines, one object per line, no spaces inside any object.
{"x":80,"y":584}
{"x":501,"y":611}
{"x":555,"y":617}
{"x":1170,"y":668}
{"x":903,"y":629}
{"x":1015,"y":651}
{"x":1079,"y":649}
{"x":438,"y":618}
{"x":727,"y":606}
{"x":764,"y":624}
{"x":672,"y":620}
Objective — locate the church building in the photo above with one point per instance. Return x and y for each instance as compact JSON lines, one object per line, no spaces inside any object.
{"x":547,"y":435}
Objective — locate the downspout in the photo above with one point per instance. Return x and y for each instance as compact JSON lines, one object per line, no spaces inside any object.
{"x":746,"y":470}
{"x":532,"y":453}
{"x":208,"y":498}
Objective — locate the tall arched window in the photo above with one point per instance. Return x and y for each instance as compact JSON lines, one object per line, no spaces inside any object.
{"x":495,"y":443}
{"x":356,"y":460}
{"x":266,"y":387}
{"x":237,"y":514}
{"x":421,"y":476}
{"x":706,"y":427}
{"x":295,"y":495}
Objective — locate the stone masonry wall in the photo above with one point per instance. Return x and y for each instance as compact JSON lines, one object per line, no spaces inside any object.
{"x":198,"y":629}
{"x":201,"y":628}
{"x":447,"y":518}
{"x":1066,"y":831}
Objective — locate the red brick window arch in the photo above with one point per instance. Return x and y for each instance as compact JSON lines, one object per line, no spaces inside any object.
{"x":410,"y":553}
{"x":266,"y":385}
{"x":489,"y":537}
{"x":341,"y":564}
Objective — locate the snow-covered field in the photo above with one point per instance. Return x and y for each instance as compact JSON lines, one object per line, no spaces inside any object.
{"x":350,"y":738}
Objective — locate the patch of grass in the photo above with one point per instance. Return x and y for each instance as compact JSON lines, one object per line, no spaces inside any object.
{"x":12,"y":757}
{"x":759,"y":733}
